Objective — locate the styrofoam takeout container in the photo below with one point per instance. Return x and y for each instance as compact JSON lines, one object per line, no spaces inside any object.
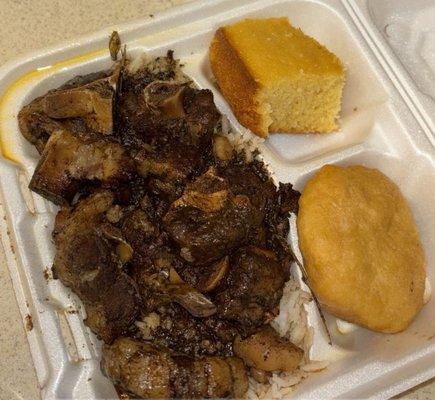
{"x":387,"y":123}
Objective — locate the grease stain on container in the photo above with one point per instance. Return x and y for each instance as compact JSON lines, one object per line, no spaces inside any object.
{"x":28,"y":323}
{"x":47,"y":274}
{"x":6,"y":144}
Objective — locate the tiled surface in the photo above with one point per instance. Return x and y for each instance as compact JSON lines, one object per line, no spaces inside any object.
{"x":28,"y":25}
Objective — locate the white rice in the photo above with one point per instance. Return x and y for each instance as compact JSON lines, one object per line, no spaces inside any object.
{"x":156,"y":65}
{"x":244,"y":141}
{"x":291,"y":321}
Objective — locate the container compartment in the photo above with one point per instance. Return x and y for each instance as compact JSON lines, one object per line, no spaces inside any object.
{"x":377,"y":130}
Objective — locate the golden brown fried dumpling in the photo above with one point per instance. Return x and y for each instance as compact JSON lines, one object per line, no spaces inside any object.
{"x":361,"y":248}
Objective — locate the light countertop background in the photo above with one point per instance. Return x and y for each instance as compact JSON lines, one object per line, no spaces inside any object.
{"x":27,"y":25}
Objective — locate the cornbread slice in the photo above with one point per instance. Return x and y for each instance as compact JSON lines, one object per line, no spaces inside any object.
{"x":276,"y":78}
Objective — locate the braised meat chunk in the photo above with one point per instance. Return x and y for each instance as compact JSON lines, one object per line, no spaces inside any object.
{"x":92,"y":102}
{"x":67,"y":163}
{"x":150,"y":372}
{"x":35,"y":125}
{"x":252,"y":290}
{"x":169,"y":123}
{"x":83,"y":104}
{"x":172,"y":235}
{"x":251,"y":180}
{"x":89,"y":263}
{"x":267,"y":351}
{"x":116,"y":310}
{"x":208,"y":220}
{"x":178,"y":144}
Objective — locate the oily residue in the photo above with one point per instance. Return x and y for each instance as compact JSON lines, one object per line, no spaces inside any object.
{"x":46,"y":274}
{"x":28,"y":323}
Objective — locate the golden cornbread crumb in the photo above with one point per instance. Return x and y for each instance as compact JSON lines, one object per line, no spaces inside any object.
{"x":276,"y":78}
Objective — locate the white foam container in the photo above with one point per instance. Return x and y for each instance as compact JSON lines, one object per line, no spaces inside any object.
{"x":387,"y":123}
